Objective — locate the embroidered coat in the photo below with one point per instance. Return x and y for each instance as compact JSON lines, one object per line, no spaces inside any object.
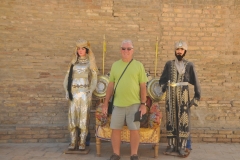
{"x":178,"y":101}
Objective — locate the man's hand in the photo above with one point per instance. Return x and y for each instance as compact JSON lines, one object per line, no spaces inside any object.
{"x":143,"y":109}
{"x":105,"y":108}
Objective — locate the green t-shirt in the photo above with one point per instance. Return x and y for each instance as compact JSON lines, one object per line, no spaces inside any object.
{"x":128,"y":89}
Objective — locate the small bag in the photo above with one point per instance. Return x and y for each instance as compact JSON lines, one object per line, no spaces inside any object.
{"x":110,"y":105}
{"x":137,"y":117}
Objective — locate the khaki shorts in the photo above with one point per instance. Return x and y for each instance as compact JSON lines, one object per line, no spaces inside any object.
{"x":120,"y":114}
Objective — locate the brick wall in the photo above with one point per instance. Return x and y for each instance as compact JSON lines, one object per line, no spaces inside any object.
{"x":37,"y":40}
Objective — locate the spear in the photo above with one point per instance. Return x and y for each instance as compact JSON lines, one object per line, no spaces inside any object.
{"x":156,"y":57}
{"x":104,"y":51}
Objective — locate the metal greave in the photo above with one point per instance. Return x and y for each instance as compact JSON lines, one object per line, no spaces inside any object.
{"x":73,"y":136}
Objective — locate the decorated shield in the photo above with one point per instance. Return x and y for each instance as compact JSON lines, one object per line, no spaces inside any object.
{"x":101,"y":88}
{"x":154,"y":90}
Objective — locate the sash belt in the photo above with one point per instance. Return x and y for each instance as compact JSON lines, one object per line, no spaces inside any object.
{"x":80,"y":86}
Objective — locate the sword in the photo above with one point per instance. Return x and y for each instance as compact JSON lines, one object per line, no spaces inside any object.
{"x":178,"y":84}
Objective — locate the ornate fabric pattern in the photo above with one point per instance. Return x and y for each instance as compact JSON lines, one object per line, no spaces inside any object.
{"x":177,"y":118}
{"x":147,"y":135}
{"x":101,"y":119}
{"x":155,"y":116}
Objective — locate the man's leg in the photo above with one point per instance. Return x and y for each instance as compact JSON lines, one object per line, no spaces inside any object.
{"x":134,"y":141}
{"x":116,"y":141}
{"x":189,"y":143}
{"x":134,"y":130}
{"x":116,"y":125}
{"x":88,"y":139}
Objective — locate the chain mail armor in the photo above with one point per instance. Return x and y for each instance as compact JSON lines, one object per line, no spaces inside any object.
{"x":83,"y":77}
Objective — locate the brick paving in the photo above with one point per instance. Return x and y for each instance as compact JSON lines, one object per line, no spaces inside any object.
{"x":55,"y":151}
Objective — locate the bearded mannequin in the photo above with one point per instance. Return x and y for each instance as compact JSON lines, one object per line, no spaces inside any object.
{"x":175,"y":80}
{"x":180,"y":57}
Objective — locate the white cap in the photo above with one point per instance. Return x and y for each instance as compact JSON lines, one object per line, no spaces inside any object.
{"x":181,"y":44}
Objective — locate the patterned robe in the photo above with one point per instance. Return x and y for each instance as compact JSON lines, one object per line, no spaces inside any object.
{"x":178,"y":112}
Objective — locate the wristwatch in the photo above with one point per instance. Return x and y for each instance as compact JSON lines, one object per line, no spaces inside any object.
{"x":144,"y":103}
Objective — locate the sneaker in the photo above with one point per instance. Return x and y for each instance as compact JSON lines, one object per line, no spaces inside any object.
{"x":134,"y":157}
{"x":115,"y":157}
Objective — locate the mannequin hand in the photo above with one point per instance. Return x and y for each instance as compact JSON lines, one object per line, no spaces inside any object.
{"x":89,"y":94}
{"x":194,"y":102}
{"x":67,"y":96}
{"x":163,"y":88}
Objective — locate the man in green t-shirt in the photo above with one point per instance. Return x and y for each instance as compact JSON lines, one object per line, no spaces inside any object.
{"x":130,"y":97}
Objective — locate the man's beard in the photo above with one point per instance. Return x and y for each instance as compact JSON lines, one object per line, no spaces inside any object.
{"x":179,"y":57}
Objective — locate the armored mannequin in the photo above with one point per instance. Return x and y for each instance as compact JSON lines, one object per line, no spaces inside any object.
{"x":79,"y":84}
{"x":175,"y":80}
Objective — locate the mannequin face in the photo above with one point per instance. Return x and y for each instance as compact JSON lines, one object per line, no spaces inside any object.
{"x":81,"y":51}
{"x":180,"y":53}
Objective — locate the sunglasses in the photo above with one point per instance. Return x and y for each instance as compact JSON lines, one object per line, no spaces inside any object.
{"x":129,"y":49}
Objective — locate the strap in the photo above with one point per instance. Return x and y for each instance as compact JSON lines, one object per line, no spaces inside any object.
{"x":121,"y":76}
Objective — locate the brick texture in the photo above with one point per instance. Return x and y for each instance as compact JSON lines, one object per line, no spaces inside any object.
{"x":37,"y":40}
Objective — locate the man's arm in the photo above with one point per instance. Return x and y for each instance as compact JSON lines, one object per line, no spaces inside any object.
{"x":143,"y":96}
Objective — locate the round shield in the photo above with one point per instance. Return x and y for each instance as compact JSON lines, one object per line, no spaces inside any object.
{"x":154,"y":90}
{"x":101,"y":88}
